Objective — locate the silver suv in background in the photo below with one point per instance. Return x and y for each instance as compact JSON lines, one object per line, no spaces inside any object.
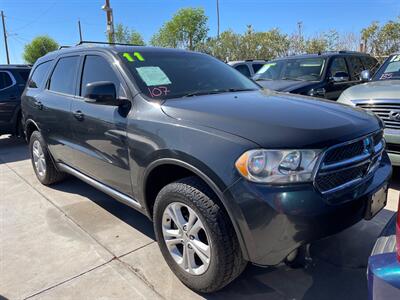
{"x":247,"y":67}
{"x":381,"y":95}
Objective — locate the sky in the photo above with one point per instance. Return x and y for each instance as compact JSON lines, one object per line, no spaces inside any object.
{"x":26,"y":19}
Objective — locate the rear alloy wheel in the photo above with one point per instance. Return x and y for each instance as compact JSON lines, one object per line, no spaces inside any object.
{"x":42,"y":162}
{"x":196,"y":236}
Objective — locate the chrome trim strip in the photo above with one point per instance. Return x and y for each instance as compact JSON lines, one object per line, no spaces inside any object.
{"x":344,"y":163}
{"x":376,"y":101}
{"x":105,"y":189}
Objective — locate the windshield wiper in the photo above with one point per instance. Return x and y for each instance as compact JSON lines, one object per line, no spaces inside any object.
{"x":294,"y":79}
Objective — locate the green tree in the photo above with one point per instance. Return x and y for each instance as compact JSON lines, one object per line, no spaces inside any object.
{"x":39,"y":46}
{"x":125,"y":35}
{"x":382,"y":40}
{"x":316,"y":45}
{"x":187,"y":29}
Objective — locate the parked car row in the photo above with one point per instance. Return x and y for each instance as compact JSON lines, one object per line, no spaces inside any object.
{"x":228,"y":172}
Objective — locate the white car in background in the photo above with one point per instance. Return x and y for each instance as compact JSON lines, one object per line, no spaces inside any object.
{"x":381,"y":95}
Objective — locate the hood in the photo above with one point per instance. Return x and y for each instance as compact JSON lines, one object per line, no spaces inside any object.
{"x":275,"y":120}
{"x":382,"y":89}
{"x":284,"y":85}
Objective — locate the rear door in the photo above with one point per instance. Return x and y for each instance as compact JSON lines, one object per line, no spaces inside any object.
{"x":9,"y":98}
{"x":54,"y":107}
{"x":99,"y":131}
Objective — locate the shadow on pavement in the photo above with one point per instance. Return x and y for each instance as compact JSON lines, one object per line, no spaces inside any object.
{"x":13,"y":149}
{"x":123,"y":212}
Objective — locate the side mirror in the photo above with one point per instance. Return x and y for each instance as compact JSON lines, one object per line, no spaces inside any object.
{"x":365,"y":76}
{"x":340,"y":77}
{"x":101,"y":92}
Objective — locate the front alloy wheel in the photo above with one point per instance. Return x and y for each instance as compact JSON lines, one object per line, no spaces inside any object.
{"x":186,"y":238}
{"x":196,"y":236}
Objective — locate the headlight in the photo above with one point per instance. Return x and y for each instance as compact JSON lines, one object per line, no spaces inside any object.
{"x":278,"y":166}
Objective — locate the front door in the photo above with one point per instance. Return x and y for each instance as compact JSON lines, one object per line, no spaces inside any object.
{"x":339,"y":78}
{"x":99,"y":131}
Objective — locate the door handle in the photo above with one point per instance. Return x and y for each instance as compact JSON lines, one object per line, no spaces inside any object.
{"x":38,"y":105}
{"x":13,"y":97}
{"x":78,"y":115}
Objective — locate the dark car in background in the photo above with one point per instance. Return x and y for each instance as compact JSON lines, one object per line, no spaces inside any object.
{"x":247,"y":67}
{"x":227,"y":171}
{"x":12,"y":83}
{"x":384,"y":263}
{"x":323,"y":75}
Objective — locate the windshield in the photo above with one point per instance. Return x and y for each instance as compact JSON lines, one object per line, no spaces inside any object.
{"x":307,"y":69}
{"x":390,"y":69}
{"x":172,"y":74}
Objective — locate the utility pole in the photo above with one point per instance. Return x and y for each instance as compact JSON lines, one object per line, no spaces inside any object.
{"x":5,"y":37}
{"x":218,"y":19}
{"x":110,"y":21}
{"x":80,"y":31}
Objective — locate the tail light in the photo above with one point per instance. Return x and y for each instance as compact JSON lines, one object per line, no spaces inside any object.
{"x":398,"y":232}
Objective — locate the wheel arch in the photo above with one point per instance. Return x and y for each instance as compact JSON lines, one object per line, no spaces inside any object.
{"x":29,"y":128}
{"x":191,"y":170}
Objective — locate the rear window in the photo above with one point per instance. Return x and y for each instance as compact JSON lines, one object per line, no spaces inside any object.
{"x":5,"y":80}
{"x":39,"y":75}
{"x":173,"y":74}
{"x":63,"y":78}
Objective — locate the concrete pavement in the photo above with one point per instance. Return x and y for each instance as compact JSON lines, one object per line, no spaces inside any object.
{"x":71,"y":241}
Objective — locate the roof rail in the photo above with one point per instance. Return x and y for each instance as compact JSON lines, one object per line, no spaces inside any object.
{"x":105,"y":43}
{"x":63,"y":47}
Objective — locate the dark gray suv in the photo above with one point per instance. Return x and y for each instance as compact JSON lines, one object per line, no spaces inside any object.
{"x":228,"y":172}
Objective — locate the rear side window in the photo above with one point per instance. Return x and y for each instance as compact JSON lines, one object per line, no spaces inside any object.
{"x":356,"y":66}
{"x":5,"y":80}
{"x":339,"y":68}
{"x":39,"y":75}
{"x":63,"y":78}
{"x":243,"y":69}
{"x":96,"y":68}
{"x":257,"y":67}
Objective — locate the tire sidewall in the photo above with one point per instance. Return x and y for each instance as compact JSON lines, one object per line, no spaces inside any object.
{"x":36,"y":136}
{"x":197,"y":282}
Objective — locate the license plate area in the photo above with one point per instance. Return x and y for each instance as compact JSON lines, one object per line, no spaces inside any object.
{"x":376,"y":202}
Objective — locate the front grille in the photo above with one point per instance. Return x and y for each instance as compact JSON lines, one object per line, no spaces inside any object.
{"x":346,"y":164}
{"x":344,"y":152}
{"x":383,"y":110}
{"x":330,"y":181}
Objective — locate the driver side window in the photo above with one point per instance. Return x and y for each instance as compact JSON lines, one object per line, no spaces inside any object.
{"x":95,"y":69}
{"x":339,"y":68}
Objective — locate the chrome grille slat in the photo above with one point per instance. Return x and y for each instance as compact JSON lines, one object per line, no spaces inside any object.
{"x":382,"y":109}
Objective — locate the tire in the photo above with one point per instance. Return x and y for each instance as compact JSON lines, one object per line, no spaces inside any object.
{"x":19,"y":130}
{"x":225,"y":262}
{"x":50,"y":174}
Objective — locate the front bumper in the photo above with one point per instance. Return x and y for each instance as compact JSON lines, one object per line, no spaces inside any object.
{"x":274,"y":221}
